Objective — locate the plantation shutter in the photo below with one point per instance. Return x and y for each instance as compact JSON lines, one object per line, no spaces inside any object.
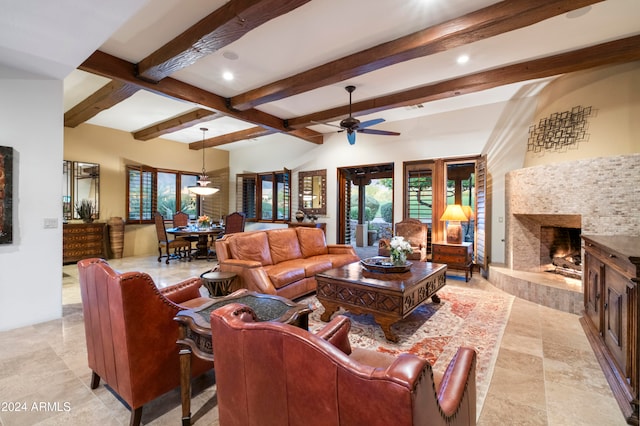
{"x":419,"y":194}
{"x":246,"y":195}
{"x":481,"y":214}
{"x":141,"y":205}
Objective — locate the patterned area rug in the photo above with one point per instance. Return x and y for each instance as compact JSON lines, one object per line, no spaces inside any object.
{"x":464,"y":317}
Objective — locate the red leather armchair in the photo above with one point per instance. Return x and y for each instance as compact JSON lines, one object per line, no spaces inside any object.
{"x":130,"y":332}
{"x":270,"y":373}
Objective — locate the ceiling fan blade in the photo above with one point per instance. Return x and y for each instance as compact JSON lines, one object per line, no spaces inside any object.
{"x":351,"y":137}
{"x":370,"y":123}
{"x":378,"y":132}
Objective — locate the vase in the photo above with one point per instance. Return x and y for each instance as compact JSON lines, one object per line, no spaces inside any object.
{"x":116,"y":236}
{"x":299,"y":216}
{"x":398,"y":258}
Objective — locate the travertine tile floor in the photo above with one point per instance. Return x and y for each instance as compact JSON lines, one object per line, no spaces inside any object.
{"x":546,"y":373}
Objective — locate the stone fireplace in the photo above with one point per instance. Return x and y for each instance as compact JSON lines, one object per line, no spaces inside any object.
{"x":554,"y":243}
{"x":596,"y":196}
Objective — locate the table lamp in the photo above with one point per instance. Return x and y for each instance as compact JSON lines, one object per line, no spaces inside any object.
{"x":453,"y":215}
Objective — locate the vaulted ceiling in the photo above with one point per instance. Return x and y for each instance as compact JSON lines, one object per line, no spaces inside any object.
{"x":161,"y":73}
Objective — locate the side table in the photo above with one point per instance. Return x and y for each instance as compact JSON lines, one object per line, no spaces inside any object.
{"x":194,"y":330}
{"x":456,"y":256}
{"x":218,"y":283}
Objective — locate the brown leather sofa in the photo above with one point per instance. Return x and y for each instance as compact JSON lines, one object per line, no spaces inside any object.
{"x":281,"y":261}
{"x":317,"y":379}
{"x":416,"y":233}
{"x":130,"y":332}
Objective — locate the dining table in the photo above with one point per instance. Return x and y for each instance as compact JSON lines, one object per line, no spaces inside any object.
{"x":203,"y":250}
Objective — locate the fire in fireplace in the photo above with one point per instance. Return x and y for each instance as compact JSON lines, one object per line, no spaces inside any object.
{"x":560,"y":251}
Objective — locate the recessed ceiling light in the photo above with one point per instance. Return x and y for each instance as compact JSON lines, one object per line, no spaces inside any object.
{"x":463,"y":59}
{"x":578,"y":12}
{"x":227,"y":75}
{"x":230,"y":55}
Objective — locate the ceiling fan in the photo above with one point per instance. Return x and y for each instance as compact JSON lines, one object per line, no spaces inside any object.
{"x":353,"y":125}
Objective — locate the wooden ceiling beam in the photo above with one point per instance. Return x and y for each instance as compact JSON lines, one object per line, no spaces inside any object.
{"x":614,"y":52}
{"x":252,"y":133}
{"x":240,"y":135}
{"x":118,"y":69}
{"x":222,"y":27}
{"x":107,"y":96}
{"x":174,"y":124}
{"x":490,"y":21}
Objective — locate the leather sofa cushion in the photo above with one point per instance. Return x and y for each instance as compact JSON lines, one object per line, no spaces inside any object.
{"x":313,"y":266}
{"x":284,"y":273}
{"x":284,"y":245}
{"x":251,"y":246}
{"x":338,"y":260}
{"x":312,"y":241}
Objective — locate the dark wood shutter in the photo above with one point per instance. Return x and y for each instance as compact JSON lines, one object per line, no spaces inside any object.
{"x":246,"y":194}
{"x":481,"y":214}
{"x":141,"y":182}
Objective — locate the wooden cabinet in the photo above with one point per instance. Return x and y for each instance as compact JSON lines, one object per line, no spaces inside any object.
{"x":83,"y":240}
{"x":611,"y":307}
{"x":456,"y":256}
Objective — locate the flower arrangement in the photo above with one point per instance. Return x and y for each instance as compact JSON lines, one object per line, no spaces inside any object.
{"x":86,"y":210}
{"x":204,"y":221}
{"x":399,"y":250}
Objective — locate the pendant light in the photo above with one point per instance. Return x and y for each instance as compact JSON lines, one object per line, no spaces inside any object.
{"x":201,"y":188}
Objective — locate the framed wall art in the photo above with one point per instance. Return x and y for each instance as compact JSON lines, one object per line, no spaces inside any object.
{"x":6,"y":195}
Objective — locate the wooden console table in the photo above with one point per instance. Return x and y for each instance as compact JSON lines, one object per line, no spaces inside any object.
{"x":611,"y":273}
{"x":83,"y":240}
{"x":320,"y":225}
{"x":456,"y":256}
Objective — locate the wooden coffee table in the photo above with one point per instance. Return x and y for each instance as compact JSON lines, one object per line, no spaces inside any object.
{"x":389,"y":297}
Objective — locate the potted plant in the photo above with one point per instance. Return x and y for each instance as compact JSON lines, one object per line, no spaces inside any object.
{"x":86,"y":211}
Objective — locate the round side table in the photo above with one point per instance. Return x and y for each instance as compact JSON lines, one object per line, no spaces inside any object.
{"x":218,"y":283}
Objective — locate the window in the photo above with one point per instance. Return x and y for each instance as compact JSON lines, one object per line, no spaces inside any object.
{"x":150,"y":190}
{"x":418,"y":196}
{"x":265,"y":197}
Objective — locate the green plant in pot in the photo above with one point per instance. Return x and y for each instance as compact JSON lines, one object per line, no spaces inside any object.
{"x":86,"y":210}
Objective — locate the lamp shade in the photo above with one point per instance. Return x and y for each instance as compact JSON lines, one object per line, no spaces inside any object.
{"x":454,"y":212}
{"x":468,"y":211}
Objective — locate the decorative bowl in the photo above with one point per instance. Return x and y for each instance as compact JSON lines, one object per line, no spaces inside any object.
{"x":384,"y":265}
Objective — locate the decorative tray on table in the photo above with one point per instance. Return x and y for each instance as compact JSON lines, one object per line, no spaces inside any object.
{"x":384,"y":265}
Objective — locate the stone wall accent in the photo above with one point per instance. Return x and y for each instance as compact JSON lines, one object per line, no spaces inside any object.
{"x":603,"y":192}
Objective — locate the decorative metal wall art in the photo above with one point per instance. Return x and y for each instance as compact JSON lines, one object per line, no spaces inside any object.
{"x":560,"y":131}
{"x":6,"y":195}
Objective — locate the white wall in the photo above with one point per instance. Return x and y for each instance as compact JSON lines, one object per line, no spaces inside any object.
{"x":31,"y":268}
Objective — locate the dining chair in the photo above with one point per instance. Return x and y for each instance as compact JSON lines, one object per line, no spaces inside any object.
{"x":234,"y":222}
{"x":181,"y":248}
{"x":180,"y":218}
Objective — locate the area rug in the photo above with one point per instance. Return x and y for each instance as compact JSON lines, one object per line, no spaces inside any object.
{"x":465,"y":317}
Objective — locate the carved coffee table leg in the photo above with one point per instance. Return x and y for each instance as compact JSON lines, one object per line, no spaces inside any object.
{"x":385,"y":324}
{"x":329,"y":309}
{"x":435,"y":298}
